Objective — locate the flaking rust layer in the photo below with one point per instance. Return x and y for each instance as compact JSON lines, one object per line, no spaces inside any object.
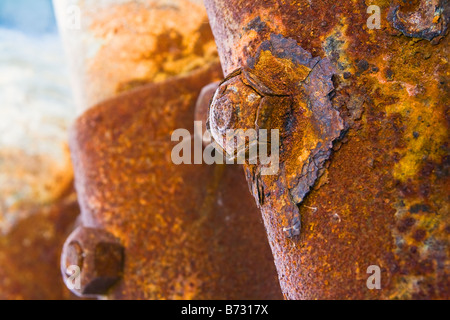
{"x":285,"y":89}
{"x":379,"y":194}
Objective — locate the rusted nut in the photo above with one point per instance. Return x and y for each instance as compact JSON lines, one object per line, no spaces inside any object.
{"x":202,"y":109}
{"x":234,"y":107}
{"x":91,"y":261}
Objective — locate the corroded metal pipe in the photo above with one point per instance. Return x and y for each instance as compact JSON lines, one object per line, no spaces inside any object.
{"x":363,"y":117}
{"x":164,"y":231}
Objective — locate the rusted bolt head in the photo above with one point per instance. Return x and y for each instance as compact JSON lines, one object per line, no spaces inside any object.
{"x":98,"y":255}
{"x":233,"y":107}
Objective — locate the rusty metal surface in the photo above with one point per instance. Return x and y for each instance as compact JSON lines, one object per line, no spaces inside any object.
{"x":297,"y":103}
{"x":188,"y":231}
{"x":123,"y":44}
{"x":381,"y":197}
{"x":421,"y":19}
{"x":30,"y":251}
{"x":100,"y":257}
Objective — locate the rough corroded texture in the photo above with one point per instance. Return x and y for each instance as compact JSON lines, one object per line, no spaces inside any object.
{"x":285,"y":89}
{"x":421,"y":19}
{"x":188,"y":231}
{"x":382,"y":196}
{"x":29,"y":253}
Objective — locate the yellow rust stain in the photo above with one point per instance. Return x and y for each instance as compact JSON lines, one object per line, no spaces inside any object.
{"x":284,"y":68}
{"x":339,"y":32}
{"x":423,"y":133}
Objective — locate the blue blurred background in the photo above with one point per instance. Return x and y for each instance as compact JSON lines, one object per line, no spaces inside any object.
{"x":28,"y":16}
